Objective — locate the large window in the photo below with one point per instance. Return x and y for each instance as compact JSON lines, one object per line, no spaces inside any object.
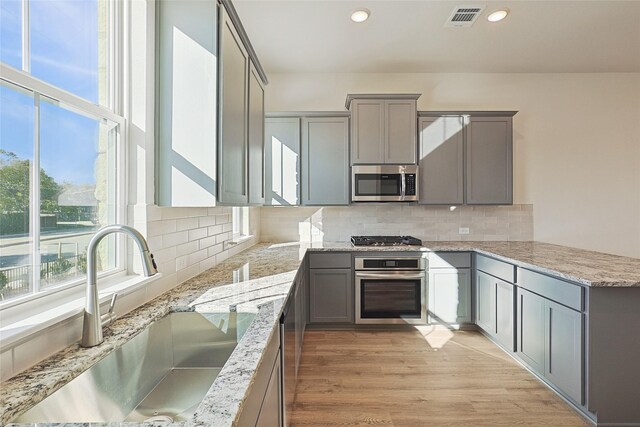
{"x":60,"y":143}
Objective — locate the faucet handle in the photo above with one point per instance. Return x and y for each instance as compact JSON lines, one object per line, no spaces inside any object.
{"x":110,"y":316}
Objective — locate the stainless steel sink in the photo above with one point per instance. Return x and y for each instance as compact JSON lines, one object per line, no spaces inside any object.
{"x":161,"y":374}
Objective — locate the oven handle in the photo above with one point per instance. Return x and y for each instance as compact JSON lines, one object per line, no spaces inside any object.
{"x":408,"y":276}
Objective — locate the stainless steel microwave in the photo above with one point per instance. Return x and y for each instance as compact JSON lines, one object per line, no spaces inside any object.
{"x":384,"y":183}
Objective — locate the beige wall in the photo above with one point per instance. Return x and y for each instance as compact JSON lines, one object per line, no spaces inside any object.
{"x":576,"y":140}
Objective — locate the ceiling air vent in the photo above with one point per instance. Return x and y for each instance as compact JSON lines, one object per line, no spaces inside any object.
{"x":464,"y":16}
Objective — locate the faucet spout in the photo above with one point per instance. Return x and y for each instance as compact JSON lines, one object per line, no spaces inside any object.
{"x":92,"y":322}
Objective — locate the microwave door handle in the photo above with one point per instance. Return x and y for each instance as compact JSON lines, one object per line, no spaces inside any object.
{"x":403,"y":186}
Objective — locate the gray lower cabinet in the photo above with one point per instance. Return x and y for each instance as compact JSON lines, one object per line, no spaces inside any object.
{"x":489,"y":160}
{"x":232,"y":140}
{"x":282,"y":161}
{"x":325,"y":161}
{"x":485,"y":302}
{"x":331,"y":296}
{"x":495,"y":308}
{"x":550,"y":340}
{"x":564,"y":356}
{"x":270,"y":411}
{"x":531,"y":329}
{"x":441,"y":160}
{"x":256,"y":138}
{"x":450,"y":295}
{"x":504,"y":295}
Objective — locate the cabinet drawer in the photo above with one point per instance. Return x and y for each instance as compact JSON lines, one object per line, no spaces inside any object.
{"x":499,"y":269}
{"x":330,"y":260}
{"x":450,"y":260}
{"x":557,"y":290}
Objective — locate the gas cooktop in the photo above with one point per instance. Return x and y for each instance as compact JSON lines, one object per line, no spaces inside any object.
{"x":385,"y":241}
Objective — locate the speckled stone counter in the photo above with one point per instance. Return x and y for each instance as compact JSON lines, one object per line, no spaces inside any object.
{"x":267,"y":281}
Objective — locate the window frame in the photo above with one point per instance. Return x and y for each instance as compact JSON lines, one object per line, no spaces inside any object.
{"x":112,"y":111}
{"x":240,"y":223}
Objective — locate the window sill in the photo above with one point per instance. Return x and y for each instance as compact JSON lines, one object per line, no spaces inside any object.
{"x":34,"y":321}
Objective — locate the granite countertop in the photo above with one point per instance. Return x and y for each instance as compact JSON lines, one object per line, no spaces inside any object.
{"x":270,"y":271}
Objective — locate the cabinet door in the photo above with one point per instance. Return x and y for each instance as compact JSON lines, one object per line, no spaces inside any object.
{"x":256,"y":139}
{"x":489,"y":160}
{"x":504,"y":313}
{"x":441,"y":160}
{"x":400,"y":132}
{"x":564,"y":349}
{"x":331,"y":296}
{"x":368,"y":131}
{"x":450,"y":295}
{"x":325,"y":161}
{"x":531,"y":329}
{"x":299,"y":301}
{"x":232,"y":143}
{"x":485,"y":302}
{"x":187,"y":103}
{"x":269,"y":415}
{"x":282,"y":163}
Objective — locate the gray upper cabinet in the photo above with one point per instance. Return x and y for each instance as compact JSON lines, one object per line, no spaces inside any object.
{"x":441,"y":160}
{"x":367,"y":127}
{"x":383,"y":128}
{"x":325,"y":161}
{"x":400,"y":131}
{"x":282,"y":161}
{"x":186,"y":103}
{"x":256,"y":138}
{"x":489,"y":160}
{"x":232,"y":142}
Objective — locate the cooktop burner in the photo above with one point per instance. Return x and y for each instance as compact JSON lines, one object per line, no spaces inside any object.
{"x":385,"y":241}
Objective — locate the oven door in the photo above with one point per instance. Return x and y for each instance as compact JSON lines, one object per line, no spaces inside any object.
{"x":377,"y":187}
{"x":390,"y":297}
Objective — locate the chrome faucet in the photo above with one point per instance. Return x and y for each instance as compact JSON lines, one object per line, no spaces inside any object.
{"x":92,"y":325}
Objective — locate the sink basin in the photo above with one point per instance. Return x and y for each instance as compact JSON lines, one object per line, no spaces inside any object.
{"x":161,"y":374}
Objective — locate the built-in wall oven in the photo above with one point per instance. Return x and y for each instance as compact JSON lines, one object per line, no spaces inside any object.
{"x":391,"y":290}
{"x":384,"y":183}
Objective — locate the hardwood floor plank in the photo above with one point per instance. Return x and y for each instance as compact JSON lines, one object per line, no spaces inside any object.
{"x":422,"y":377}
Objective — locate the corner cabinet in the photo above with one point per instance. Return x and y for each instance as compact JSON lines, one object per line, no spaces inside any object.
{"x":325,"y":161}
{"x":466,"y":158}
{"x":383,"y":128}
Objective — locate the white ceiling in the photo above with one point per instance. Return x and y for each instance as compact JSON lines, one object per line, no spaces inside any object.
{"x":409,"y":36}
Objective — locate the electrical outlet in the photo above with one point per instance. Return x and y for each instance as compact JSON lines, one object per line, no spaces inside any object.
{"x":463,"y":230}
{"x":181,"y":263}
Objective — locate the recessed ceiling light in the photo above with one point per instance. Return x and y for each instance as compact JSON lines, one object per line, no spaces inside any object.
{"x":498,"y":15}
{"x":360,"y":15}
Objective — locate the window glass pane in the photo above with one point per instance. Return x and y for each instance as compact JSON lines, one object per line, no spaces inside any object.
{"x":16,"y":156}
{"x":69,"y":45}
{"x":74,"y":201}
{"x":11,"y":32}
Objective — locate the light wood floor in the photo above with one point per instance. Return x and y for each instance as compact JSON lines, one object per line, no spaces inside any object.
{"x":425,"y":377}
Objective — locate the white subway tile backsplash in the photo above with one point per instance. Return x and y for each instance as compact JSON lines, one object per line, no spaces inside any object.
{"x":186,"y":224}
{"x":282,"y":224}
{"x":198,"y":233}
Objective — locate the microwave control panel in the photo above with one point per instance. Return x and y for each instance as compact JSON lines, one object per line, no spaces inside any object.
{"x":411,"y":184}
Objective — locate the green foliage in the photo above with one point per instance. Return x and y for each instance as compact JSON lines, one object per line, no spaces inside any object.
{"x":82,"y":263}
{"x":55,"y":268}
{"x":14,"y":186}
{"x":3,"y":281}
